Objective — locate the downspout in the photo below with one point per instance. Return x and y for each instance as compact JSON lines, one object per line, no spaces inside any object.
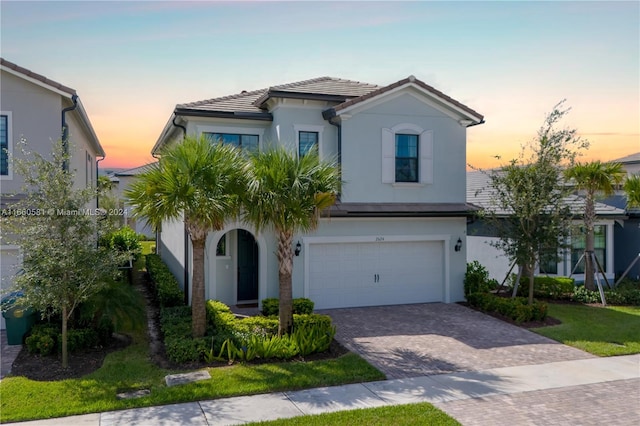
{"x":186,"y":233}
{"x":98,"y":189}
{"x":339,"y":127}
{"x":65,"y":131}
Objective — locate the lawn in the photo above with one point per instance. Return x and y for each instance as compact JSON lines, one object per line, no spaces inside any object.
{"x":397,"y":415}
{"x":131,"y":369}
{"x":614,"y":330}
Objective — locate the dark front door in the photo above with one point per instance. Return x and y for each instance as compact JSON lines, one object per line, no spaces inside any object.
{"x":247,"y":267}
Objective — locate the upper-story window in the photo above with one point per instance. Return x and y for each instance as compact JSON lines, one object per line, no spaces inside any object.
{"x":4,"y":145}
{"x":407,"y":155}
{"x":247,"y":142}
{"x":306,"y":142}
{"x":406,"y":158}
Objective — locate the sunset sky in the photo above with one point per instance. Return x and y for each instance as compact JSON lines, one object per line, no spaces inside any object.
{"x":132,"y":62}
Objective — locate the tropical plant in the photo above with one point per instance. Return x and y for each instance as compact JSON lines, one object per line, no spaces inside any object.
{"x":594,"y":178}
{"x":632,"y":188}
{"x":62,"y":264}
{"x":528,"y":208}
{"x":199,"y":182}
{"x":288,"y":192}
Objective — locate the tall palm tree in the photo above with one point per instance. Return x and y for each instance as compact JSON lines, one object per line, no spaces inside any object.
{"x":595,"y":178}
{"x":200,"y":182}
{"x":632,"y":188}
{"x":288,"y":193}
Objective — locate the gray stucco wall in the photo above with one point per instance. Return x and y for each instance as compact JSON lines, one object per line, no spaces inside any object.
{"x":362,"y":153}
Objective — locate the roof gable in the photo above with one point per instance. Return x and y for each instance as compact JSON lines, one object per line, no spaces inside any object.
{"x":36,"y":78}
{"x":468,"y":115}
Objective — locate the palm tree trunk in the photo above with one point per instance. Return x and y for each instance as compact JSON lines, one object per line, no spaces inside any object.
{"x":589,"y":218}
{"x":285,"y":270}
{"x":198,"y":311}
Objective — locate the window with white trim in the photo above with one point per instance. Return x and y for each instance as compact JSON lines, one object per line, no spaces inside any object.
{"x":407,"y":155}
{"x":308,"y":137}
{"x":5,"y":144}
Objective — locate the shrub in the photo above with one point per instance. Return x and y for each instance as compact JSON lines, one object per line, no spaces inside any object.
{"x":220,"y":317}
{"x":182,"y":349}
{"x":308,"y":320}
{"x":301,"y":305}
{"x":548,"y":287}
{"x":617,"y":296}
{"x":124,"y":239}
{"x":265,"y":326}
{"x":476,"y":279}
{"x":165,"y":285}
{"x":42,"y":340}
{"x":516,"y":309}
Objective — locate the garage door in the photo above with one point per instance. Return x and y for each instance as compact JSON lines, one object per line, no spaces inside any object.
{"x":376,"y":273}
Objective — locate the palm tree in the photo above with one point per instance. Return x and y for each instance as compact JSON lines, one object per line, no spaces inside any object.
{"x":632,"y":188}
{"x":288,"y":193}
{"x":197,"y":181}
{"x":594,"y":178}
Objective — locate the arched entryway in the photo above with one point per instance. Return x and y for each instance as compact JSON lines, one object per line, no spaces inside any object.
{"x":247,"y":269}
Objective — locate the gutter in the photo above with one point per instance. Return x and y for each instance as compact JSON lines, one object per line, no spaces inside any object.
{"x":65,"y":130}
{"x":476,"y":124}
{"x":98,"y":189}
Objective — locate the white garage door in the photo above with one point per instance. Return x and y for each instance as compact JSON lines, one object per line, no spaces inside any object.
{"x":369,"y":274}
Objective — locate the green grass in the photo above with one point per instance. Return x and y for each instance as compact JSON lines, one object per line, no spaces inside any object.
{"x":146,"y":247}
{"x":614,"y":330}
{"x":131,"y":369}
{"x":397,"y":415}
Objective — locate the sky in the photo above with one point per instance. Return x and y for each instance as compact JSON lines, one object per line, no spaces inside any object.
{"x":512,"y":61}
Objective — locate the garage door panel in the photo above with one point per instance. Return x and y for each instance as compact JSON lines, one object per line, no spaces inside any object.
{"x":369,"y":274}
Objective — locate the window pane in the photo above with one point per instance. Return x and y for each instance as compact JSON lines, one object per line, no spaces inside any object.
{"x":249,"y":142}
{"x":307,"y":141}
{"x":578,"y":245}
{"x":406,"y":158}
{"x":4,"y":145}
{"x":221,"y":248}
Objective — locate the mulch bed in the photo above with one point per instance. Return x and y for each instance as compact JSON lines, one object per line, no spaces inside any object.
{"x":49,"y":368}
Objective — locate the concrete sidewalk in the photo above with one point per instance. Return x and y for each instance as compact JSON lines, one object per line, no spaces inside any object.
{"x":441,"y":390}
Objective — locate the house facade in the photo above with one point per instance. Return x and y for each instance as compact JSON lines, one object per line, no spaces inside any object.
{"x":392,"y":236}
{"x":481,"y":235}
{"x":120,"y":182}
{"x":38,"y":109}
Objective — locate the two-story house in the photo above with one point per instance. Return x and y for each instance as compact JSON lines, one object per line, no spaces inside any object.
{"x":397,"y":233}
{"x":40,"y":110}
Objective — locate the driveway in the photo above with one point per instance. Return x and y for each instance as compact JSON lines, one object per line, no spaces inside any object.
{"x":434,"y":338}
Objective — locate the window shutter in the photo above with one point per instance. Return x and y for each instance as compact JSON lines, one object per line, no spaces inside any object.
{"x":426,"y":157}
{"x":388,"y":157}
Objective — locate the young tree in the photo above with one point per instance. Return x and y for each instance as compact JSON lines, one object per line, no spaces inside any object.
{"x":528,"y":209}
{"x":198,"y":181}
{"x":288,"y":192}
{"x":57,"y":233}
{"x":594,"y":178}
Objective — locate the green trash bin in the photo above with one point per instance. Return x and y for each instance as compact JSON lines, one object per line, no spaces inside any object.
{"x":18,"y":319}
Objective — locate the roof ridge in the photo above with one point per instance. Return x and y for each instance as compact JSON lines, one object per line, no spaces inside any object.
{"x":225,"y":97}
{"x":43,"y":79}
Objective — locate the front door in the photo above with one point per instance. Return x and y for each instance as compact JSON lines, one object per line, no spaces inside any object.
{"x":247,"y":267}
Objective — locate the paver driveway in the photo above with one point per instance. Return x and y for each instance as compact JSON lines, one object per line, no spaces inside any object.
{"x":433,"y":338}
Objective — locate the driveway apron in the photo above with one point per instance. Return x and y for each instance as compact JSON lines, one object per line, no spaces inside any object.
{"x":435,"y":338}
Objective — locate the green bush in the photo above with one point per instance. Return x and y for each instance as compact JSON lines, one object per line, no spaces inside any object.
{"x":301,"y":305}
{"x":78,"y":339}
{"x":516,"y":309}
{"x":165,"y":285}
{"x":259,"y":325}
{"x":220,"y":317}
{"x":42,"y":340}
{"x":183,"y":349}
{"x":270,"y":306}
{"x":547,"y":287}
{"x":124,"y":239}
{"x":309,"y":320}
{"x":626,"y":295}
{"x":476,"y":279}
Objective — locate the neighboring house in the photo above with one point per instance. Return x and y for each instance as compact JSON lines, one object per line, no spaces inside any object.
{"x":36,"y":108}
{"x":120,"y":182}
{"x":391,"y":238}
{"x":481,"y":235}
{"x":627,"y":231}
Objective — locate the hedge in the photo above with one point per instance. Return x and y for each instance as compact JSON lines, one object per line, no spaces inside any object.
{"x":301,"y":305}
{"x":547,"y":287}
{"x":516,"y":308}
{"x":165,"y":285}
{"x":617,"y":296}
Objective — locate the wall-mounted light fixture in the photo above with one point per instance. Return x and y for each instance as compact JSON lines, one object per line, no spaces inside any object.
{"x":458,"y":245}
{"x":298,"y":249}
